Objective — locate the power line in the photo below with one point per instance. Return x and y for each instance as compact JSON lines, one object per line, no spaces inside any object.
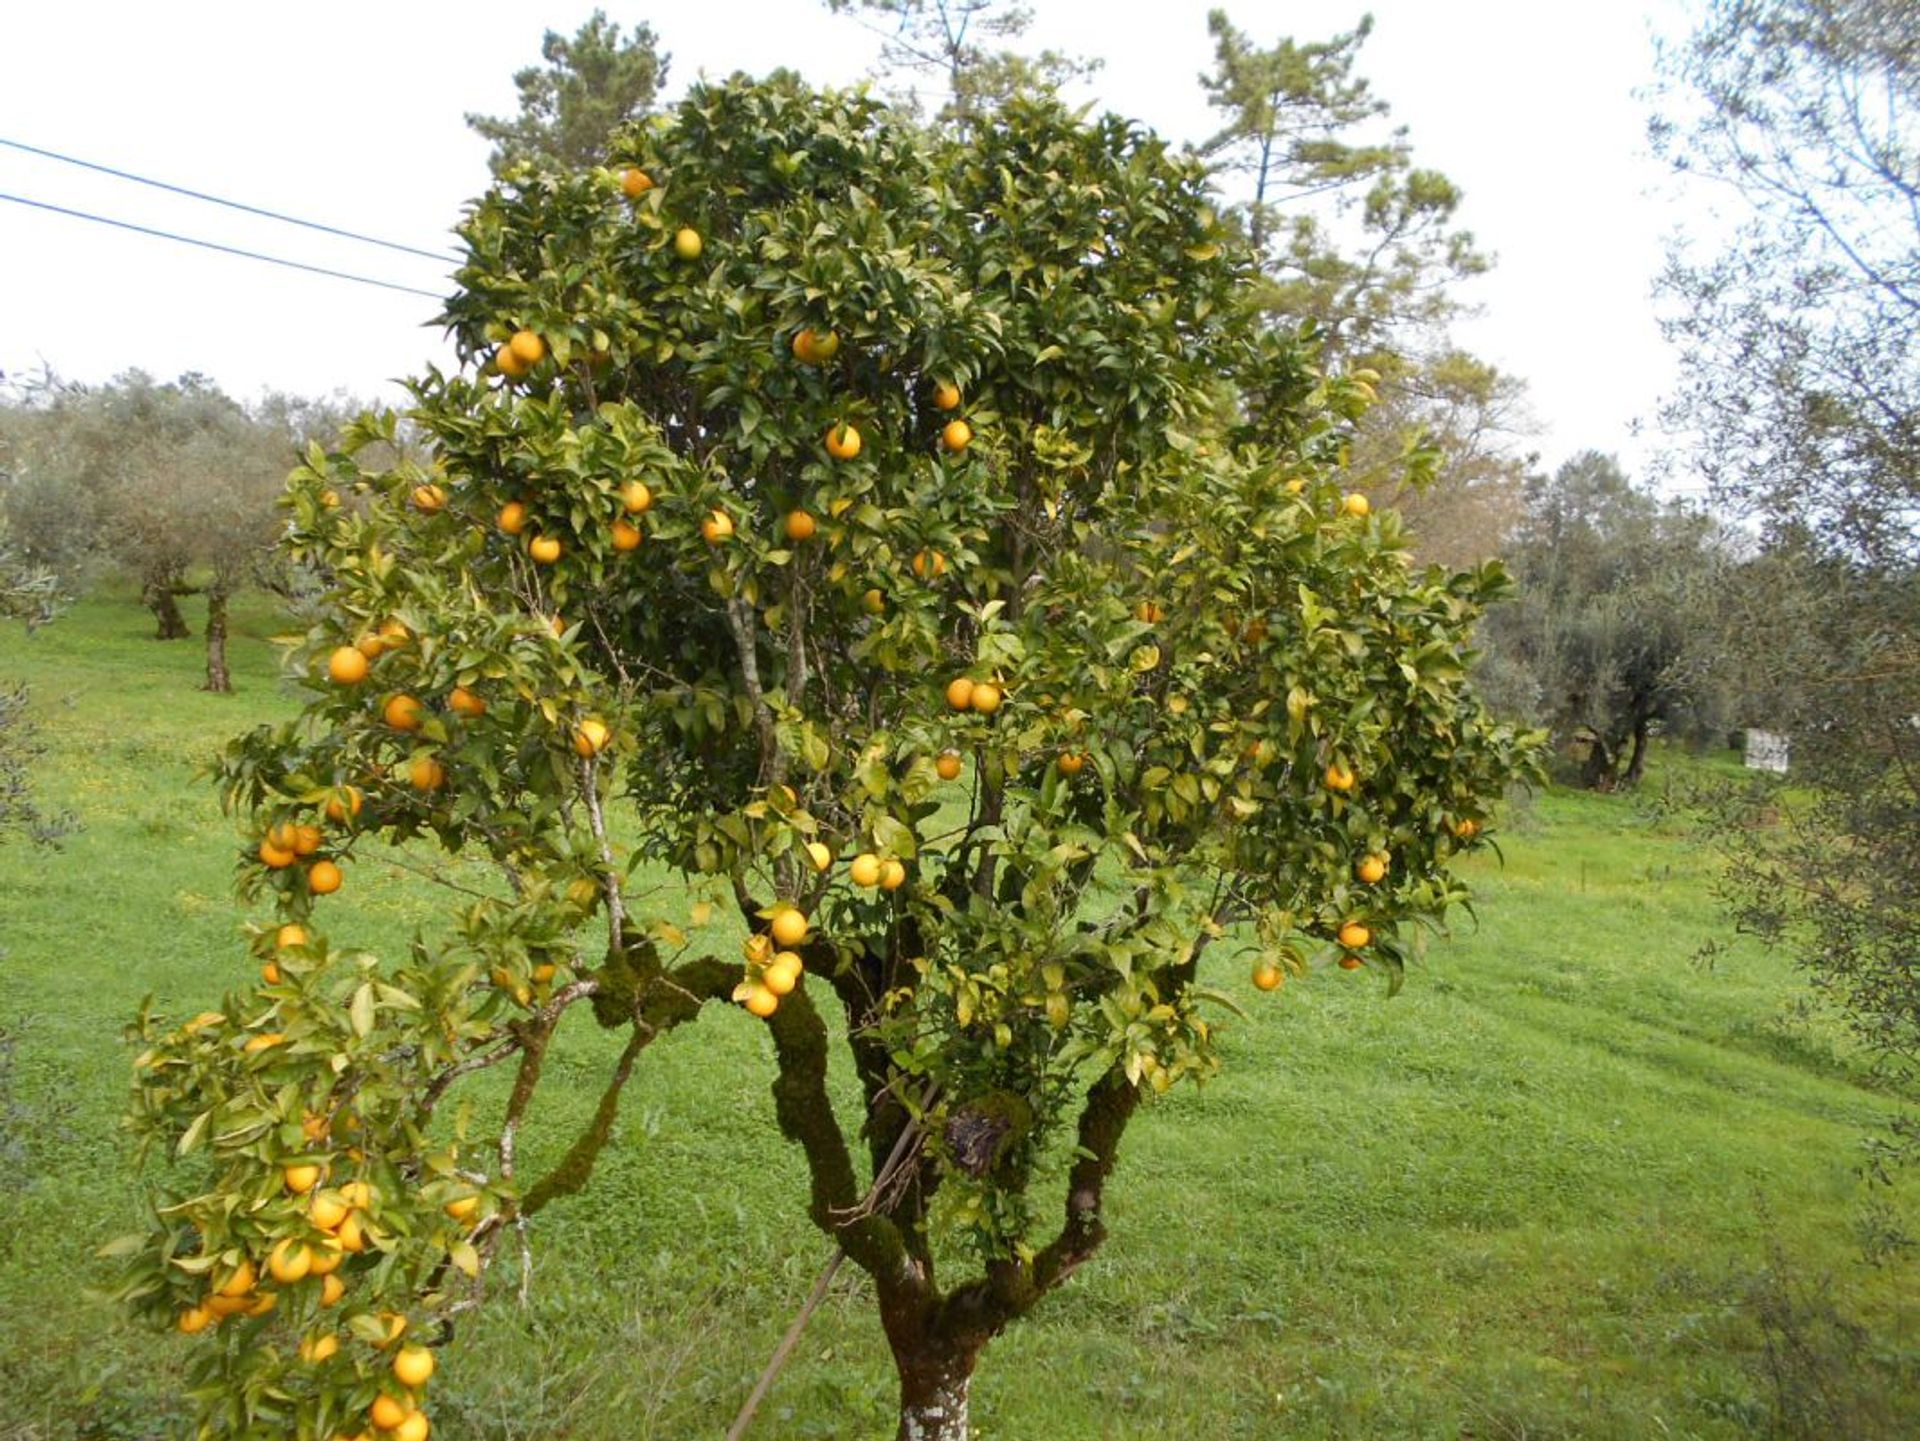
{"x":223,"y":249}
{"x":230,"y":204}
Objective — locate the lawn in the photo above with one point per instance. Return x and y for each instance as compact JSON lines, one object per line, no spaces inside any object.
{"x":1548,"y":1191}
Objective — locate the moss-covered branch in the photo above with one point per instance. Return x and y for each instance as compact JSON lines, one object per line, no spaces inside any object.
{"x":669,"y":1000}
{"x":805,"y":1114}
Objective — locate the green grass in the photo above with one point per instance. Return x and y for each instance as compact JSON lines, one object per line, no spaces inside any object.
{"x":1533,"y":1196}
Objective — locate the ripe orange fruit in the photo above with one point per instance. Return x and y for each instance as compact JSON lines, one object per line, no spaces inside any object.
{"x":929,"y":564}
{"x":635,"y":182}
{"x":956,"y":436}
{"x":414,"y":1428}
{"x":331,"y":1290}
{"x":328,"y":1210}
{"x":1267,"y":976}
{"x":195,"y":1319}
{"x":635,"y":496}
{"x":306,"y":840}
{"x":425,"y":773}
{"x":387,"y":1412}
{"x":346,"y":666}
{"x":788,"y":928}
{"x":261,"y":1304}
{"x":463,"y":702}
{"x":270,"y":973}
{"x":625,"y":535}
{"x":402,"y":712}
{"x":893,"y":874}
{"x":327,"y":1256}
{"x":946,"y":395}
{"x":371,"y":646}
{"x":874,"y":601}
{"x":960,"y":693}
{"x":762,"y":1002}
{"x":758,"y":948}
{"x":591,"y":737}
{"x":1372,"y":869}
{"x":462,"y":1207}
{"x":528,"y":348}
{"x":323,"y":878}
{"x":1355,"y":936}
{"x":239,"y":1283}
{"x":821,"y":855}
{"x":1356,"y":504}
{"x":687,"y":243}
{"x":947,"y":766}
{"x":509,"y":364}
{"x":357,"y":1193}
{"x":344,"y":804}
{"x":783,"y":975}
{"x":1072,"y":763}
{"x":352,"y":1235}
{"x":394,"y":632}
{"x":801,"y":526}
{"x":301,"y":1176}
{"x":274,"y":856}
{"x":290,"y":936}
{"x":986,"y":698}
{"x":1339,"y":777}
{"x":718,"y":526}
{"x":315,"y":1349}
{"x":545,"y":549}
{"x":1351,"y":963}
{"x":330,"y":497}
{"x":413,"y":1366}
{"x":865,"y":869}
{"x":1466,"y":828}
{"x":289,"y":1262}
{"x":429,"y":499}
{"x":843,"y":442}
{"x":513,"y":517}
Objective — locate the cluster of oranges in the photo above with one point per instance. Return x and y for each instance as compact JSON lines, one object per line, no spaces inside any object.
{"x":335,"y":1227}
{"x":774,"y":967}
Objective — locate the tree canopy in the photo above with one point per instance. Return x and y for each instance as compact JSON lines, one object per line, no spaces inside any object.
{"x":904,"y":539}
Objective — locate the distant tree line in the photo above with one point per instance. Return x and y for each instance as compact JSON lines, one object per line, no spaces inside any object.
{"x":171,"y":486}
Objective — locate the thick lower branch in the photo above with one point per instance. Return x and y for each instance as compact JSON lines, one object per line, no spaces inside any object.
{"x":805,"y":1115}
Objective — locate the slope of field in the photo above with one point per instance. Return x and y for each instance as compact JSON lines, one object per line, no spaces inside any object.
{"x":1549,"y":1191}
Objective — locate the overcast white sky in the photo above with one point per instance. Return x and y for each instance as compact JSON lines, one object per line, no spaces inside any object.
{"x":351,"y":114}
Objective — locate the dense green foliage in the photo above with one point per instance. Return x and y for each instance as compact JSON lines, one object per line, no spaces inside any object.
{"x":649,"y":580}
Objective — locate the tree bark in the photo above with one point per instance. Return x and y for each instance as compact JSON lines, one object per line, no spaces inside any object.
{"x":159,"y":596}
{"x":218,"y":680}
{"x":1597,"y":773}
{"x":934,"y":1382}
{"x":1637,"y":763}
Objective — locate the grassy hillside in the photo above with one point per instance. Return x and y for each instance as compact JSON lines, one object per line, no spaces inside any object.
{"x":1549,"y":1191}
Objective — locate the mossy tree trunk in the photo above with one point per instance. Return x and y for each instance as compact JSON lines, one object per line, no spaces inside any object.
{"x":219,"y":681}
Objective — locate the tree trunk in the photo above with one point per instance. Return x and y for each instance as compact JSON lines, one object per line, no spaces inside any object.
{"x":159,"y":596}
{"x":934,"y":1382}
{"x":218,"y":681}
{"x":1637,"y":763}
{"x":1597,"y":773}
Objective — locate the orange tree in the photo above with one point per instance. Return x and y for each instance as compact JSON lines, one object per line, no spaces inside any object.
{"x":911,"y":542}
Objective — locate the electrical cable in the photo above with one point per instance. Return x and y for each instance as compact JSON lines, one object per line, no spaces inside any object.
{"x":224,"y":249}
{"x":230,"y":204}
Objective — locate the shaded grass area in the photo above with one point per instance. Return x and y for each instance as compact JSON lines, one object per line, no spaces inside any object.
{"x":1536,"y":1195}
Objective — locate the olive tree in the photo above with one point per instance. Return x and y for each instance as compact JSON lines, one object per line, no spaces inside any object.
{"x":911,"y":543}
